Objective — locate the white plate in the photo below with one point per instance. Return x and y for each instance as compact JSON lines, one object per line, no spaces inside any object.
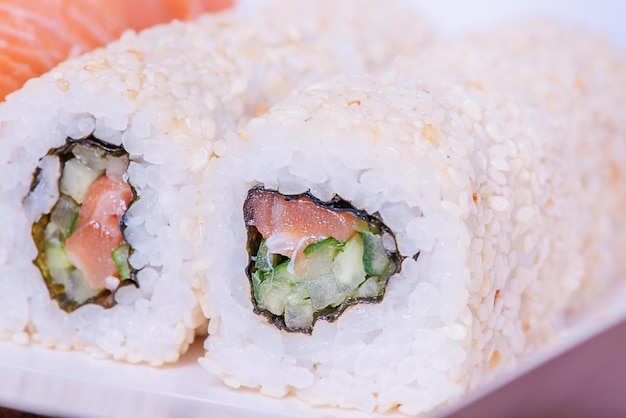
{"x":69,"y":383}
{"x":49,"y":382}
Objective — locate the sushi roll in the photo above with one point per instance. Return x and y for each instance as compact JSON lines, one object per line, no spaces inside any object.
{"x":389,"y":243}
{"x":101,"y":161}
{"x":566,"y":85}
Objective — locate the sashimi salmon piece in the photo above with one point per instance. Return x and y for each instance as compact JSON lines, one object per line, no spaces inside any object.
{"x":97,"y":231}
{"x":35,"y":35}
{"x":289,"y":225}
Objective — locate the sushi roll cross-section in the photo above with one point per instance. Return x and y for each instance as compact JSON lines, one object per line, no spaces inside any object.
{"x":82,"y":254}
{"x":310,"y":260}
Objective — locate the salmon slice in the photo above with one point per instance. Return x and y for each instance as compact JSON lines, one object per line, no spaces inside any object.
{"x":97,"y":231}
{"x":289,"y":226}
{"x":35,"y":35}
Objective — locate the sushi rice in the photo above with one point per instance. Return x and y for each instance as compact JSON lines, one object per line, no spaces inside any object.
{"x":495,"y":160}
{"x":170,"y":98}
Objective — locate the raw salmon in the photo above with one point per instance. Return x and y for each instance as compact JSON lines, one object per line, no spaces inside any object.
{"x":97,"y":231}
{"x":35,"y":35}
{"x":288,"y":226}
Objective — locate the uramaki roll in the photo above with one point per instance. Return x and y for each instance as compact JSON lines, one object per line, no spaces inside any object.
{"x":100,"y":162}
{"x":477,"y":178}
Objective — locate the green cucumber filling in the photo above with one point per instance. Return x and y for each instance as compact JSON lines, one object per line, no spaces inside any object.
{"x":325,"y":276}
{"x":91,"y":184}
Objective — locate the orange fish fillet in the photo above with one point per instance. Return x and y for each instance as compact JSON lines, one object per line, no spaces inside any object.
{"x":35,"y":35}
{"x":293,"y":224}
{"x":98,"y":231}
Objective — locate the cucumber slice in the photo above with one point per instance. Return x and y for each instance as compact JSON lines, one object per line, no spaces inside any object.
{"x":77,"y":178}
{"x":281,"y":273}
{"x":271,"y":289}
{"x":256,"y":284}
{"x":325,"y":249}
{"x":64,"y":215}
{"x":265,"y":260}
{"x":120,"y":258}
{"x":375,"y":259}
{"x":348,"y":265}
{"x":322,"y":289}
{"x":56,"y":257}
{"x":298,"y":312}
{"x":320,"y":281}
{"x":371,"y":288}
{"x":272,"y":295}
{"x":60,"y":276}
{"x":78,"y":289}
